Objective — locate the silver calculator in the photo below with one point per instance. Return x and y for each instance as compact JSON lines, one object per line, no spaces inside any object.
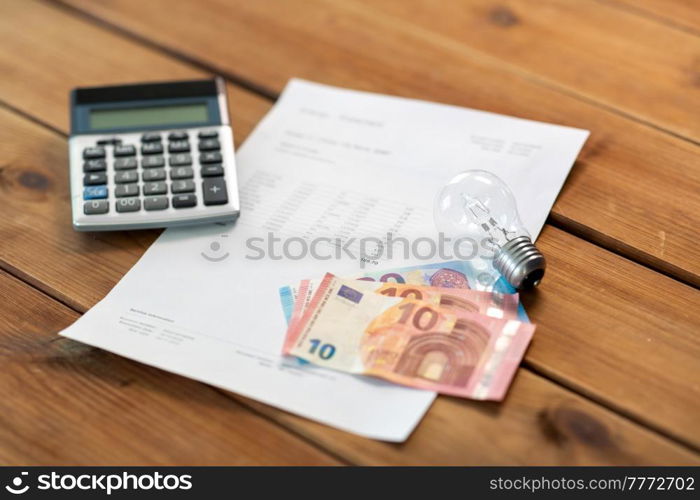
{"x":151,"y":155}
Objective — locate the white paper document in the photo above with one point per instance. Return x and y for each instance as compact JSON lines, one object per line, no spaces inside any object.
{"x":331,"y":165}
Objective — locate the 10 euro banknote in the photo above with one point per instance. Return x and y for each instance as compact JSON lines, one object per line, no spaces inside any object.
{"x":461,"y":342}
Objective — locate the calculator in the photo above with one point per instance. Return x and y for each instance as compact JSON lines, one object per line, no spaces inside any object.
{"x":151,"y":155}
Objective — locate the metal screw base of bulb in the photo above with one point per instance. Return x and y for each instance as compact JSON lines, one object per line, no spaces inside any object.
{"x":520,"y":263}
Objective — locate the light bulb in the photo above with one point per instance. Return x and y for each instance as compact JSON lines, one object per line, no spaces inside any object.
{"x":479,"y":206}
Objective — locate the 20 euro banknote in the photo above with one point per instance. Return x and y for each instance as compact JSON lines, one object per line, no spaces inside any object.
{"x":453,"y":274}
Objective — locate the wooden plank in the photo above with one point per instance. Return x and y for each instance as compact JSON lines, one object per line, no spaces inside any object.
{"x":681,"y":13}
{"x":633,"y":189}
{"x":41,"y":62}
{"x":603,"y":53}
{"x":64,"y":403}
{"x":38,"y":217}
{"x":539,"y":423}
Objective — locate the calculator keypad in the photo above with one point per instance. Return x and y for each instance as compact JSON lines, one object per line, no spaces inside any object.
{"x":156,"y":174}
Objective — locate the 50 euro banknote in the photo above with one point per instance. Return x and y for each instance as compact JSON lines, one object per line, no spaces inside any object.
{"x":407,"y":340}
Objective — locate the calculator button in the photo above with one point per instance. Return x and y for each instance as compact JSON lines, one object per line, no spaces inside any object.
{"x":214,"y":190}
{"x":95,"y":207}
{"x":180,"y":160}
{"x":152,"y":162}
{"x":95,"y":192}
{"x":177,"y":135}
{"x":124,"y":190}
{"x":150,"y":137}
{"x":151,"y":188}
{"x":95,"y":178}
{"x":184,"y":200}
{"x":125,"y":163}
{"x":94,"y":165}
{"x":125,"y":177}
{"x":124,"y":150}
{"x":95,"y":152}
{"x":209,"y":145}
{"x":109,"y":142}
{"x":155,"y":203}
{"x":178,"y":147}
{"x":210,"y":157}
{"x":182,"y":187}
{"x":212,"y":170}
{"x":151,"y":148}
{"x":181,"y":173}
{"x":208,"y":134}
{"x":154,"y":174}
{"x":128,"y":205}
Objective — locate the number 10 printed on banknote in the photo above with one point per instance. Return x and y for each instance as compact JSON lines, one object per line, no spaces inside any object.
{"x":461,"y":342}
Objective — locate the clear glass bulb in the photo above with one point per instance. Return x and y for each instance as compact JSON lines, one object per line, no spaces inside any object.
{"x":479,"y":206}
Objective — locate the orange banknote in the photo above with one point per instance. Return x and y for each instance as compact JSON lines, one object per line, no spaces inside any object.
{"x":420,"y":339}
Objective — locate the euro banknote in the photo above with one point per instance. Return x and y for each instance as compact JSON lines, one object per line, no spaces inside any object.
{"x":453,"y":274}
{"x":450,"y":299}
{"x":411,"y":340}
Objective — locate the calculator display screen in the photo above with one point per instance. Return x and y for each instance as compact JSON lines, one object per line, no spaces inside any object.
{"x":102,"y":119}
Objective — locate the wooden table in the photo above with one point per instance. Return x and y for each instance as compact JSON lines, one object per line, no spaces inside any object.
{"x":613,"y":374}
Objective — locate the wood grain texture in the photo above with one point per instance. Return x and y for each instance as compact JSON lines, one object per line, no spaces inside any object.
{"x":634,"y":188}
{"x":45,"y":55}
{"x":681,"y":13}
{"x":602,"y":53}
{"x":39,"y":246}
{"x":65,"y":403}
{"x":539,"y":423}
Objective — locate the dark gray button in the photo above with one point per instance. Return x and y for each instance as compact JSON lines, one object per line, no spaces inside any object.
{"x":212,"y":170}
{"x":109,"y":142}
{"x":125,"y":163}
{"x":208,"y":134}
{"x":151,"y":188}
{"x":150,"y":137}
{"x":214,"y":191}
{"x":182,"y":187}
{"x":95,"y":207}
{"x":184,"y":200}
{"x":178,"y":147}
{"x":178,"y":135}
{"x":151,"y":148}
{"x":152,"y":162}
{"x":126,"y":177}
{"x":181,"y":173}
{"x":124,"y":190}
{"x":95,"y":178}
{"x":180,"y":160}
{"x":209,"y":145}
{"x":94,"y":166}
{"x":155,"y":203}
{"x":96,"y":152}
{"x":128,"y":205}
{"x":153,"y":174}
{"x":210,"y":157}
{"x":124,"y":150}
